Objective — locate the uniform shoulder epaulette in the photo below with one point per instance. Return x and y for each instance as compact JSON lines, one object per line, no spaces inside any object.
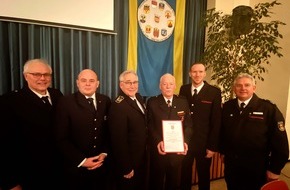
{"x":151,"y":98}
{"x":216,"y":87}
{"x":180,"y":96}
{"x":268,"y":101}
{"x":119,"y":99}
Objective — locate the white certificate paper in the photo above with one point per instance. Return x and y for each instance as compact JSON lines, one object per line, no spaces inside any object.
{"x":173,"y":136}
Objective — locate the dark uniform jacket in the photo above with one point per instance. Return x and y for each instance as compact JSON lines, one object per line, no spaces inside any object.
{"x":30,"y":150}
{"x":258,"y":133}
{"x":157,"y":111}
{"x":128,"y":133}
{"x":205,"y":112}
{"x":81,"y":131}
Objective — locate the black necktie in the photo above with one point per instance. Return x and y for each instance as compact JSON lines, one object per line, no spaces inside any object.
{"x":46,"y":101}
{"x":195,"y":94}
{"x":169,"y":103}
{"x":242,"y":106}
{"x":91,"y":102}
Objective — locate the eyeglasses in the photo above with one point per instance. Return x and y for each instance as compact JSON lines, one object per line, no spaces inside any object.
{"x":130,"y":83}
{"x":39,"y":75}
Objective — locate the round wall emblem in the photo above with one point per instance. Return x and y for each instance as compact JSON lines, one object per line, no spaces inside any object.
{"x":156,"y":19}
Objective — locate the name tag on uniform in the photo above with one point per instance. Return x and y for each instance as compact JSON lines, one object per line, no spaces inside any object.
{"x":258,"y":113}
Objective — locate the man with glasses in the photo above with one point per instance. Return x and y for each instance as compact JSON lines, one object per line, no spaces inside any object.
{"x":31,"y":159}
{"x":128,"y":134}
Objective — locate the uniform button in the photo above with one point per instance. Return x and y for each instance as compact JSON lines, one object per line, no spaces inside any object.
{"x":94,"y":146}
{"x":95,"y":137}
{"x":191,"y":113}
{"x":192,"y":104}
{"x":95,"y":128}
{"x":95,"y":119}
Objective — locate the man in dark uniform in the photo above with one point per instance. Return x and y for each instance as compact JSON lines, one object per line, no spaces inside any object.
{"x":165,"y":166}
{"x":31,"y":157}
{"x":128,"y":134}
{"x":205,"y":108}
{"x":253,"y":138}
{"x":81,"y":134}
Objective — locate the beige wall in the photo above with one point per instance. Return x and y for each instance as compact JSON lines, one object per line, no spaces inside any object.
{"x":276,"y":84}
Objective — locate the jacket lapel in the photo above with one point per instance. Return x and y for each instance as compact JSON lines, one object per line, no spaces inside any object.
{"x":83,"y":102}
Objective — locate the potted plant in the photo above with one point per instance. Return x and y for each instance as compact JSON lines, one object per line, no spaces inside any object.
{"x":241,"y":42}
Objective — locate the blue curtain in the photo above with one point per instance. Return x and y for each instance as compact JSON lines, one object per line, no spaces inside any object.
{"x":69,"y":50}
{"x":194,"y":34}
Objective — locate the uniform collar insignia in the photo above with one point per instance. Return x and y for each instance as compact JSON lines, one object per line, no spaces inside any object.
{"x":119,"y":99}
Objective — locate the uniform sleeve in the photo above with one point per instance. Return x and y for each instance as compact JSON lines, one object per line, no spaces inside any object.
{"x":279,"y":148}
{"x":215,"y":122}
{"x":187,"y":123}
{"x":154,"y":135}
{"x":118,"y":129}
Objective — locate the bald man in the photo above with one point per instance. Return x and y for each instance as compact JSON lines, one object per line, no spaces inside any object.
{"x":81,"y":133}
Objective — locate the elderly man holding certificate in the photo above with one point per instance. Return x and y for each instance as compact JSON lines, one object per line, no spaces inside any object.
{"x":169,"y":125}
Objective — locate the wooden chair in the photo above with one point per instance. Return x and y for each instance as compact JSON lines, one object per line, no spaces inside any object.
{"x":275,"y":185}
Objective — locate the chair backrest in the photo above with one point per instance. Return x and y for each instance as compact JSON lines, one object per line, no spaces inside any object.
{"x":275,"y":185}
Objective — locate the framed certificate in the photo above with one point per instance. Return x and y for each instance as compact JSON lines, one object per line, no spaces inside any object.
{"x":173,"y":136}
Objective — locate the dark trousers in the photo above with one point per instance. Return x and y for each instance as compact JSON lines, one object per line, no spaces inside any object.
{"x":203,"y":171}
{"x":86,"y":179}
{"x":165,"y":172}
{"x":245,"y":172}
{"x":137,"y":182}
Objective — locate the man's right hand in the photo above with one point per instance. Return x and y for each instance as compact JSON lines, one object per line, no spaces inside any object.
{"x":160,"y":148}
